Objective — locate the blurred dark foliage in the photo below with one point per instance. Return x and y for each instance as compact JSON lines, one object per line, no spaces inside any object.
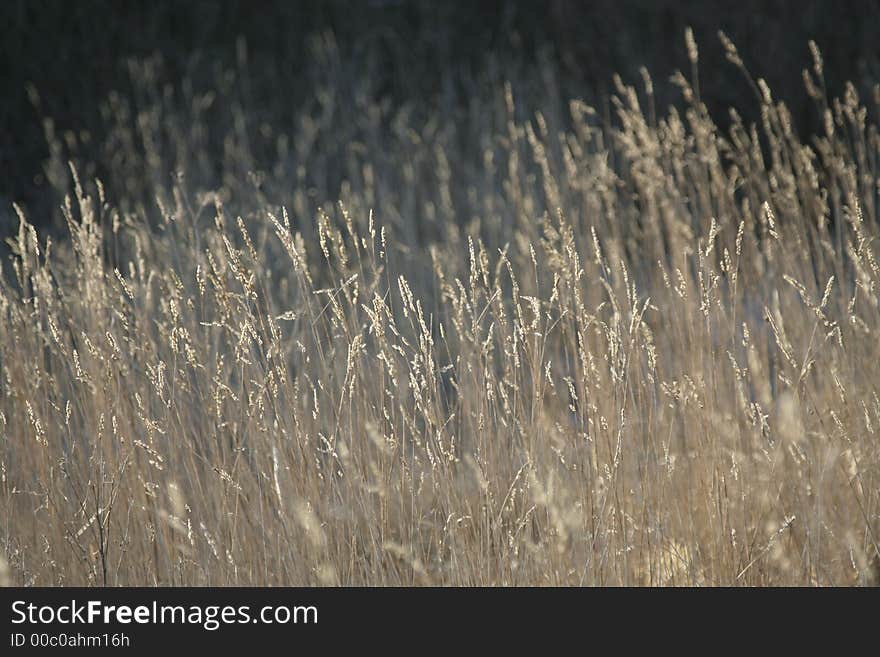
{"x":74,"y":53}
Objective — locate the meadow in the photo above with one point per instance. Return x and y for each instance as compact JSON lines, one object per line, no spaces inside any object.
{"x":515,"y":342}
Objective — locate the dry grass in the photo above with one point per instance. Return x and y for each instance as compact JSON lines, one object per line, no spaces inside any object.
{"x":512,"y":348}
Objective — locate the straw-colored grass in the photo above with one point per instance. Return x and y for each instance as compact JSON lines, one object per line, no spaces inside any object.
{"x":517,"y":345}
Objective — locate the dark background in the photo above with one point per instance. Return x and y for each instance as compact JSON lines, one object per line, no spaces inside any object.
{"x":74,"y":53}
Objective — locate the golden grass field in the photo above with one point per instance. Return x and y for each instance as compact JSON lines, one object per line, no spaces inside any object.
{"x":530,"y":345}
